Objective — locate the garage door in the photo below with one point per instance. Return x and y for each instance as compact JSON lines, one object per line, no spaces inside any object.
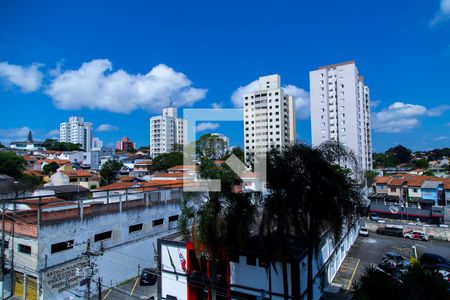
{"x":19,"y":282}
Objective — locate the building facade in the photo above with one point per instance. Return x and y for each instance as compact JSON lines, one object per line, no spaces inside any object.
{"x":76,"y":131}
{"x":97,"y":143}
{"x":46,"y":252}
{"x":340,"y":110}
{"x":167,"y":132}
{"x":125,"y":144}
{"x":269,"y":117}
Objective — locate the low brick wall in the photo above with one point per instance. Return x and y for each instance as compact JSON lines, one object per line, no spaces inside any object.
{"x":436,"y":233}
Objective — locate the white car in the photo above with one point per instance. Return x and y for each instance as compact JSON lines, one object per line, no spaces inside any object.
{"x":364,"y":230}
{"x":416,"y":235}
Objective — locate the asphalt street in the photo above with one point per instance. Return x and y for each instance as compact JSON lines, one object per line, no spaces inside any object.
{"x":369,"y":250}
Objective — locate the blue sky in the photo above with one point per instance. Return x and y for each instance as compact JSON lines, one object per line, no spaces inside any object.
{"x":118,"y":62}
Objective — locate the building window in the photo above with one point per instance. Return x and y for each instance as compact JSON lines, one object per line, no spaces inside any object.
{"x":102,"y":236}
{"x":393,"y":189}
{"x":251,"y":260}
{"x":173,"y":218}
{"x":24,"y":249}
{"x":158,"y":222}
{"x":134,"y":228}
{"x":58,"y":247}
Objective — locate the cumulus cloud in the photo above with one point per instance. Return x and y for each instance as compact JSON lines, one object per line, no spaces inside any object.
{"x":399,"y":116}
{"x":54,"y":132}
{"x":301,"y":100}
{"x":443,"y":14}
{"x":8,"y":135}
{"x":106,"y":128}
{"x":301,"y":96}
{"x":96,"y":86}
{"x":206,"y":126}
{"x":238,"y":95}
{"x":28,"y":79}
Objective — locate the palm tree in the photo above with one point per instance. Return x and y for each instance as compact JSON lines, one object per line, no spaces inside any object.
{"x":308,"y":196}
{"x":222,"y":223}
{"x":416,"y":284}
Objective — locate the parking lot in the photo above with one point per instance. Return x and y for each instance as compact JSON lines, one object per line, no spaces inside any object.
{"x":369,"y":250}
{"x":130,"y":290}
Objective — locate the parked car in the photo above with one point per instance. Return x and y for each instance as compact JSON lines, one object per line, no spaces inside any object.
{"x":391,"y":231}
{"x":374,"y":216}
{"x":401,"y":261}
{"x":148,"y":276}
{"x":387,"y":265}
{"x":364,"y":230}
{"x":416,"y":235}
{"x":432,"y":261}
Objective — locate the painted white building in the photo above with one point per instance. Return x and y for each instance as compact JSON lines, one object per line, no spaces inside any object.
{"x":249,"y":275}
{"x":166,"y":131}
{"x":269,"y":117}
{"x":340,"y":109}
{"x":97,"y":143}
{"x":76,"y":131}
{"x":122,"y":234}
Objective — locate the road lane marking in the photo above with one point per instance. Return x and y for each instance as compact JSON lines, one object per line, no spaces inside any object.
{"x":134,"y":286}
{"x":107,"y":294}
{"x":353,"y":275}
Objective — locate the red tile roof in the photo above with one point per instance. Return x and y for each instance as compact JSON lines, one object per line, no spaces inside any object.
{"x":77,"y":173}
{"x":117,"y":186}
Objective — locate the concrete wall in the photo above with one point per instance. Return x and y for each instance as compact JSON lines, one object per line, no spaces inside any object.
{"x":434,"y":232}
{"x":124,"y":253}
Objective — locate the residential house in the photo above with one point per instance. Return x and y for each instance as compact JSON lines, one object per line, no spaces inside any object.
{"x":74,"y":177}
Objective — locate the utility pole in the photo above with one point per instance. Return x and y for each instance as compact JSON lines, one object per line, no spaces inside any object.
{"x":91,"y":269}
{"x":99,"y":288}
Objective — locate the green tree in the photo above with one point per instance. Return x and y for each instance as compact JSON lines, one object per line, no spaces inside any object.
{"x":401,"y":154}
{"x":109,"y":172}
{"x":236,"y":151}
{"x":222,"y":224}
{"x":52,"y":144}
{"x":167,"y":160}
{"x":50,"y":168}
{"x":30,"y":136}
{"x":421,"y":163}
{"x":2,"y":146}
{"x":370,"y":177}
{"x":210,"y":146}
{"x":416,"y":285}
{"x":11,"y":164}
{"x":308,"y":195}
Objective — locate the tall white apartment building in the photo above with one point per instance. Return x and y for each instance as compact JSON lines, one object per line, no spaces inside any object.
{"x":340,"y":109}
{"x":166,"y":132}
{"x":269,"y":117}
{"x":76,"y":131}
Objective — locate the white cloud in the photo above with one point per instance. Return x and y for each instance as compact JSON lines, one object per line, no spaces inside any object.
{"x":28,"y":79}
{"x":399,"y":116}
{"x":302,"y":102}
{"x":95,"y":86}
{"x":206,"y":126}
{"x":216,"y":105}
{"x":8,"y":135}
{"x":441,"y":138}
{"x":106,"y":128}
{"x":375,"y":103}
{"x":54,"y":132}
{"x":238,"y":95}
{"x":442,"y":14}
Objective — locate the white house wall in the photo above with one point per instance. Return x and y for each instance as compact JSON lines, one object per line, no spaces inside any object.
{"x":124,"y":253}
